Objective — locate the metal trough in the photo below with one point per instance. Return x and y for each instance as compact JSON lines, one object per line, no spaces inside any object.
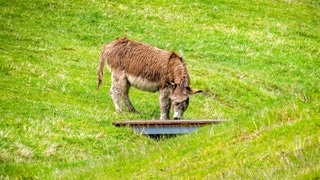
{"x":156,"y":128}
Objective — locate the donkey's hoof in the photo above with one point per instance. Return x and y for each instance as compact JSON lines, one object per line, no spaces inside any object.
{"x":119,"y":110}
{"x":134,"y":111}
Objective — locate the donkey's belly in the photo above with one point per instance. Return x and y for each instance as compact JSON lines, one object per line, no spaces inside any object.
{"x":143,"y":84}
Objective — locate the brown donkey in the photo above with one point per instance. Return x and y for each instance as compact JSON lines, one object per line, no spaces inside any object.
{"x":147,"y":68}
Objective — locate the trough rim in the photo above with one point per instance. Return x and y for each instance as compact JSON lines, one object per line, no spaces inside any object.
{"x":166,"y":122}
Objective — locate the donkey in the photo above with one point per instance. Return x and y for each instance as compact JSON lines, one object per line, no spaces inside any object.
{"x":147,"y":68}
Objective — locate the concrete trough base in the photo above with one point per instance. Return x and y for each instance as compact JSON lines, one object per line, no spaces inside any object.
{"x":163,"y":128}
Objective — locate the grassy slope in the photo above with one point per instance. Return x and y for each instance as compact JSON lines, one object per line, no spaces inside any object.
{"x":257,"y":61}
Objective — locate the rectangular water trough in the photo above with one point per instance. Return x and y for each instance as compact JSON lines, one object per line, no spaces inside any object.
{"x":165,"y":127}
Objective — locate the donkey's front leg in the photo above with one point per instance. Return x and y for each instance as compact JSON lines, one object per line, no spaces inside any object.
{"x":165,"y":104}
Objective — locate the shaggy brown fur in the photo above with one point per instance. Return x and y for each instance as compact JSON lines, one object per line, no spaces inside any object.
{"x":148,"y":68}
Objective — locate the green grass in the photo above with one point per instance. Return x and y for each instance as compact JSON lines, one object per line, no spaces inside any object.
{"x":258,"y":63}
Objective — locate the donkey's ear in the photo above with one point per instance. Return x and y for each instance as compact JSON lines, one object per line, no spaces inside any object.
{"x":193,"y":91}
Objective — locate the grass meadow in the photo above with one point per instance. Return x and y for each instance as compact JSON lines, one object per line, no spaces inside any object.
{"x":258,"y":63}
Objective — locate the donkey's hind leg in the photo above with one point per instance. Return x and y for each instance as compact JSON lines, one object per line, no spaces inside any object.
{"x":125,"y":86}
{"x":115,"y":91}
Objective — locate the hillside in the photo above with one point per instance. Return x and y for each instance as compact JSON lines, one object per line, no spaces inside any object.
{"x":258,"y":63}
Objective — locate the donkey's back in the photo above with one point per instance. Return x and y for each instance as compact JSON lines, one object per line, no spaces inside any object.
{"x":142,"y":64}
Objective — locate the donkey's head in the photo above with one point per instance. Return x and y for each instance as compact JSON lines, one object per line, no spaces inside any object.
{"x":180,"y":100}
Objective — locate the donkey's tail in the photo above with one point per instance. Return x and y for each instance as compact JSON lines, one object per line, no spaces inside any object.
{"x":100,"y":67}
